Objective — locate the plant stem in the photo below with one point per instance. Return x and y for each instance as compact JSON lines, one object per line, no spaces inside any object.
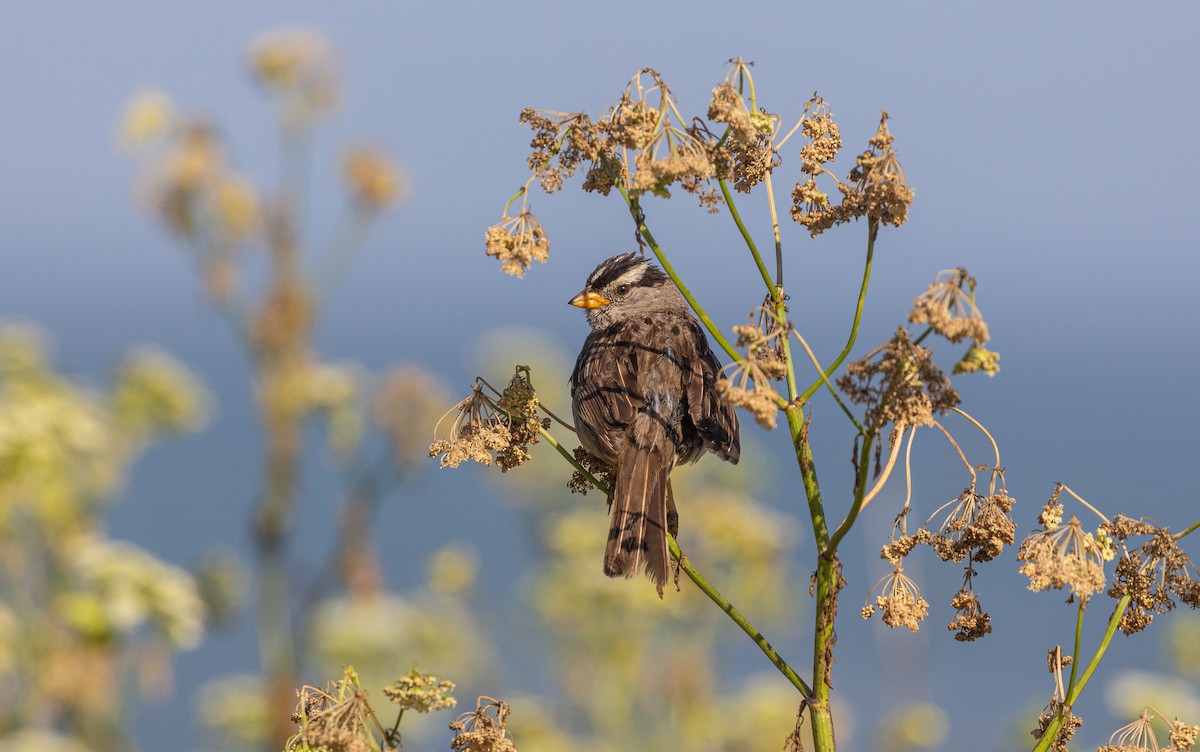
{"x":738,"y":619}
{"x":772,"y":289}
{"x":858,"y":311}
{"x":1078,"y":639}
{"x":864,"y":463}
{"x":1072,"y":697}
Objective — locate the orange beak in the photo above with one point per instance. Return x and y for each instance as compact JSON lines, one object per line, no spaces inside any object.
{"x":589,"y":300}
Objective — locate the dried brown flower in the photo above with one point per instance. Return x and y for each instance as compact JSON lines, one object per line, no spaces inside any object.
{"x":421,"y":692}
{"x":900,"y":601}
{"x":1057,"y":557}
{"x":517,"y":242}
{"x":1139,"y":735}
{"x":1153,"y":574}
{"x":1183,"y":735}
{"x":977,"y":527}
{"x":897,"y":549}
{"x":477,"y":431}
{"x":823,"y":134}
{"x":747,"y":153}
{"x":971,"y":622}
{"x":483,"y":730}
{"x":1071,"y":722}
{"x":485,"y":430}
{"x":759,"y":399}
{"x":948,"y":307}
{"x":899,"y":383}
{"x":601,"y":471}
{"x":333,"y":718}
{"x":876,"y":188}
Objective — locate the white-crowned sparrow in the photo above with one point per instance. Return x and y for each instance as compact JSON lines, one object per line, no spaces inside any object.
{"x":644,"y":397}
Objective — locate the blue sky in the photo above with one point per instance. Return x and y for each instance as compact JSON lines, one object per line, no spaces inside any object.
{"x":1051,"y":147}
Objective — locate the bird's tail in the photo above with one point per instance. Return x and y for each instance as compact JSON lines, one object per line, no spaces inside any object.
{"x":637,"y":537}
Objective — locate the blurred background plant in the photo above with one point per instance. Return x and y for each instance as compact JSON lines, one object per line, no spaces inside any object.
{"x":88,"y":624}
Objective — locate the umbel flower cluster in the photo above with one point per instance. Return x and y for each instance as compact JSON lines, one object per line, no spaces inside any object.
{"x":643,"y":144}
{"x":975,"y":529}
{"x":487,"y":429}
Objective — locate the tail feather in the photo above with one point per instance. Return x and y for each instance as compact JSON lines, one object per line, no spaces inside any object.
{"x":637,"y":536}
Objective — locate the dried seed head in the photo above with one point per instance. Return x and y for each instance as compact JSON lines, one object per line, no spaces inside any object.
{"x":1065,"y":556}
{"x":1153,"y":575}
{"x":421,"y":692}
{"x":899,"y":383}
{"x":483,"y":730}
{"x":899,"y":600}
{"x":971,"y":622}
{"x":517,"y":242}
{"x":1071,"y":722}
{"x":948,"y":307}
{"x":977,"y":528}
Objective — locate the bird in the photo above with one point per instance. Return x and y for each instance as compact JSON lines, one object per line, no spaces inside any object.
{"x":644,"y":399}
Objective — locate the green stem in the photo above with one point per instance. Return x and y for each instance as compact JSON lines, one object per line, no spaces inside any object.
{"x":825,"y":589}
{"x":858,"y":312}
{"x":1192,"y":528}
{"x":738,"y":619}
{"x":864,"y":463}
{"x":772,"y":289}
{"x":1072,"y":697}
{"x":1078,"y":639}
{"x":701,"y":582}
{"x":636,"y":212}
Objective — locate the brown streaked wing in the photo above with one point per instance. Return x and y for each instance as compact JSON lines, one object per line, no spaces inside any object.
{"x":604,"y":384}
{"x":715,"y":421}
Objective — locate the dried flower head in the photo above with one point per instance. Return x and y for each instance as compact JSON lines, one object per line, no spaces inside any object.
{"x":880,"y":183}
{"x":756,"y":398}
{"x":977,"y":527}
{"x":519,"y":405}
{"x":483,"y":730}
{"x":1061,"y":556}
{"x":504,"y":428}
{"x":948,"y":307}
{"x":1183,"y":735}
{"x":876,"y":187}
{"x":746,"y":153}
{"x":477,"y":431}
{"x":564,"y":141}
{"x":899,"y":383}
{"x":334,"y":718}
{"x":900,"y":601}
{"x":763,"y":342}
{"x":824,"y":136}
{"x":1139,"y":735}
{"x":971,"y":622}
{"x":1070,"y":723}
{"x":421,"y":692}
{"x":1153,"y":574}
{"x":517,"y":242}
{"x":596,"y":467}
{"x":371,"y":178}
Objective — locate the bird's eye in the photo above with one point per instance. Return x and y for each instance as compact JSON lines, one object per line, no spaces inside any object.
{"x":622,"y":289}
